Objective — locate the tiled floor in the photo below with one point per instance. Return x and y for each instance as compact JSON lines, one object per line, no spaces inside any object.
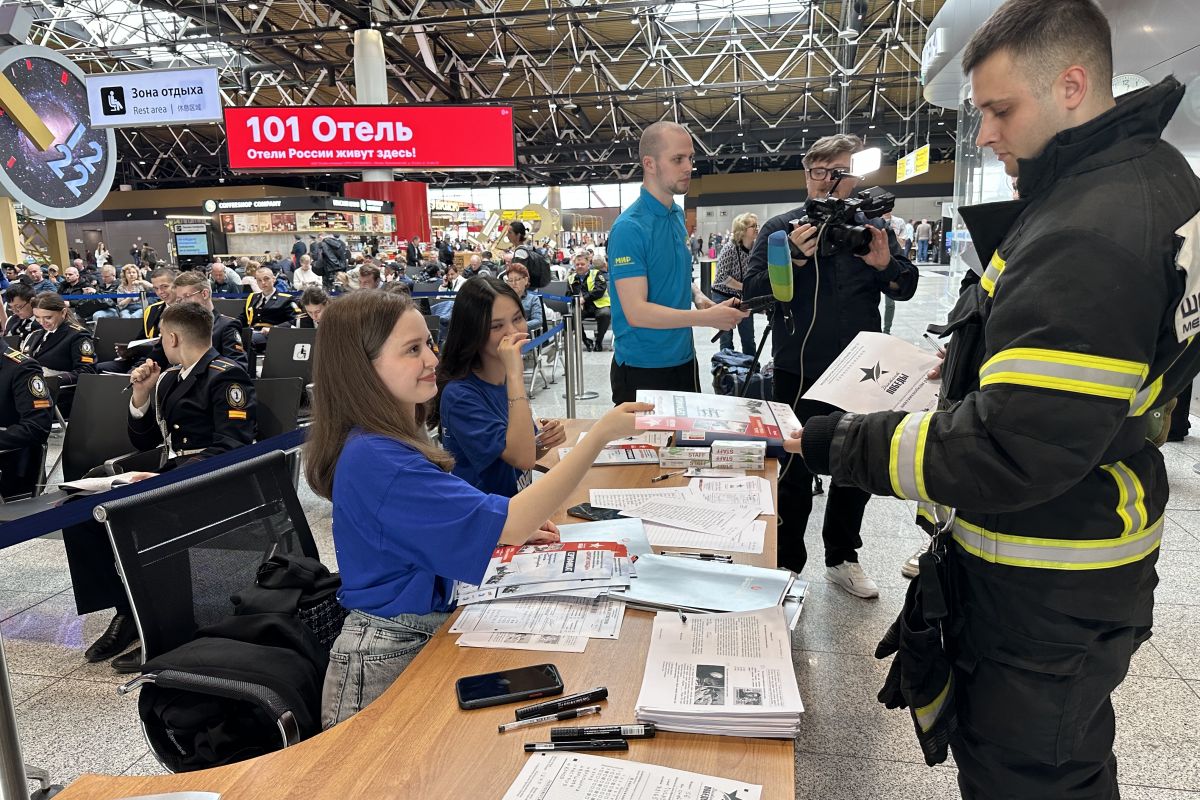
{"x":72,"y":721}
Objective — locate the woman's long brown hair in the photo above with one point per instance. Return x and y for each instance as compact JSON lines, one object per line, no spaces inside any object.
{"x":347,"y":392}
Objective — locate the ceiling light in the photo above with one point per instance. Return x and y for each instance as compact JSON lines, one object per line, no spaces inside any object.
{"x":941,"y":123}
{"x":343,"y":27}
{"x":831,"y":88}
{"x":741,"y":134}
{"x":550,"y":25}
{"x":506,"y":73}
{"x":578,"y":68}
{"x":666,"y":102}
{"x":252,"y":6}
{"x":569,"y":104}
{"x":599,"y":107}
{"x":804,"y":130}
{"x":141,"y":162}
{"x":634,"y":21}
{"x":535,"y":110}
{"x":390,"y":33}
{"x":872,"y":127}
{"x":318,"y":46}
{"x":470,"y":33}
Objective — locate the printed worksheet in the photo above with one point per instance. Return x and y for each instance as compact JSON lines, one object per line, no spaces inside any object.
{"x":525,"y":641}
{"x":580,"y":776}
{"x":749,"y":540}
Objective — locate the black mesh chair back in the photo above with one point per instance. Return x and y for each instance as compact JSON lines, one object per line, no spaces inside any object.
{"x":277,"y":405}
{"x":561,"y":288}
{"x":182,"y":550}
{"x":289,"y":353}
{"x":99,"y":428}
{"x":110,"y":330}
{"x":230,"y":306}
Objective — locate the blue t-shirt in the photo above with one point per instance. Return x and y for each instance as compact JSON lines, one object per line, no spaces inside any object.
{"x":405,"y":531}
{"x":649,"y":241}
{"x":475,"y":431}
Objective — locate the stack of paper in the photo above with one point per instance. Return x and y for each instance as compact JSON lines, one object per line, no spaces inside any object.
{"x":579,"y":776}
{"x":577,"y":568}
{"x":552,"y":615}
{"x":708,"y":514}
{"x":727,"y":674}
{"x":738,"y":454}
{"x":665,"y":582}
{"x":700,"y":419}
{"x":642,"y":449}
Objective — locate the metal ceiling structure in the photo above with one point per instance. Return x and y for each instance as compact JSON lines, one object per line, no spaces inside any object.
{"x":755,"y":81}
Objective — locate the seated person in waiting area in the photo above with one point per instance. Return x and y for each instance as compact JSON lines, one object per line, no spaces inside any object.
{"x":268,"y":308}
{"x":406,"y":529}
{"x":517,"y":277}
{"x":487,"y":423}
{"x":200,"y":407}
{"x":63,"y":347}
{"x":314,"y":301}
{"x":194,"y":287}
{"x":25,"y":419}
{"x":591,"y":287}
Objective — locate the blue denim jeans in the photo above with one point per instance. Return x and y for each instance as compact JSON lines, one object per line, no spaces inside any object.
{"x":745,"y":328}
{"x":367,"y":657}
{"x":922,"y":250}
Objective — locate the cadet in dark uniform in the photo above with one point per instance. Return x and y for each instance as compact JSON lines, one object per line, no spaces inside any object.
{"x":63,"y":347}
{"x":268,"y":308}
{"x":21,"y":323}
{"x":163,"y":281}
{"x":194,"y":287}
{"x":25,"y":418}
{"x":202,"y":406}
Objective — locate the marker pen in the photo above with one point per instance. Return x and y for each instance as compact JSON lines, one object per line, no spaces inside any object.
{"x":574,"y":714}
{"x":562,"y":703}
{"x":637,"y":731}
{"x":586,"y":744}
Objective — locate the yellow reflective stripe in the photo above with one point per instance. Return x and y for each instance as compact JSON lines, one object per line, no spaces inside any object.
{"x":906,"y":462}
{"x":1139,"y":514}
{"x":927,"y":716}
{"x":1063,"y":554}
{"x":1131,"y":497}
{"x":1122,"y":499}
{"x":1066,"y":371}
{"x":992,"y":274}
{"x":1144,"y":400}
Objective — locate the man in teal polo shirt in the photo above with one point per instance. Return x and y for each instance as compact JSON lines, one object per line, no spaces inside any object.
{"x":651,"y":268}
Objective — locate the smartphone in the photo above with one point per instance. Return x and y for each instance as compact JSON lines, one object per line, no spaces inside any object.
{"x":594,"y":513}
{"x":508,"y":686}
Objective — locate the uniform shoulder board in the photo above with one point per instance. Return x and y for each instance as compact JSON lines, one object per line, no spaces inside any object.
{"x":81,"y":328}
{"x":16,"y":355}
{"x":221,"y":364}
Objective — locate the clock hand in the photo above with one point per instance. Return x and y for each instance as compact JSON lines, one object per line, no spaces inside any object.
{"x":24,"y":115}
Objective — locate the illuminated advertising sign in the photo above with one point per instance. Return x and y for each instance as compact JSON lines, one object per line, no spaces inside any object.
{"x":370,"y":137}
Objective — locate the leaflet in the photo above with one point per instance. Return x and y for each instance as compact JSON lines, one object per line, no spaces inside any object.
{"x":751,"y":492}
{"x":580,"y":776}
{"x":667,"y":582}
{"x":700,"y":419}
{"x":562,"y":616}
{"x":513,"y":565}
{"x":696,"y":516}
{"x":631,"y":498}
{"x":878,"y":372}
{"x":749,"y":540}
{"x":632,"y":455}
{"x":525,"y":641}
{"x":629,"y":532}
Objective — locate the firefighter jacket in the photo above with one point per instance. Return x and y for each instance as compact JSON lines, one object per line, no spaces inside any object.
{"x":1071,"y":335}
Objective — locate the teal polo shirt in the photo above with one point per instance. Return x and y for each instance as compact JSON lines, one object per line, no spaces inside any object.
{"x":649,"y":240}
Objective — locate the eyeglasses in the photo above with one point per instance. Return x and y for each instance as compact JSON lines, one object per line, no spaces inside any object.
{"x":821,"y":173}
{"x":190,"y":294}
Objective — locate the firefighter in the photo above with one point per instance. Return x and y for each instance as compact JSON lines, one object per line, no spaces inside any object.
{"x":1048,"y":496}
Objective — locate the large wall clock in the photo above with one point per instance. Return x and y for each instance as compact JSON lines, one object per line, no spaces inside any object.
{"x":73,"y":176}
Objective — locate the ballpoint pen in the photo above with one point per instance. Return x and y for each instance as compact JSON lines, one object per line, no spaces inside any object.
{"x":666,"y":475}
{"x":561,"y":715}
{"x":941,"y":351}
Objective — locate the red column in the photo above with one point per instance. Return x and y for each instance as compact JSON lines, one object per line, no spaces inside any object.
{"x":411,"y":203}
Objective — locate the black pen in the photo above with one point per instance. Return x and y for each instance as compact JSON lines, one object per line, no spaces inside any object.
{"x":562,"y":703}
{"x":941,"y":351}
{"x":663,"y":477}
{"x":701,"y":556}
{"x":585,"y":744}
{"x":562,"y":715}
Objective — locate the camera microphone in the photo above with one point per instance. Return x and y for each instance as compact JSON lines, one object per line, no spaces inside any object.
{"x":779,"y":266}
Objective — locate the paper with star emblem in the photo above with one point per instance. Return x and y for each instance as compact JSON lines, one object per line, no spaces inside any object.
{"x":580,"y":776}
{"x":878,"y":372}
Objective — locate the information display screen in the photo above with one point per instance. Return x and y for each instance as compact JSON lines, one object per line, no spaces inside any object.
{"x":370,"y":137}
{"x":191,"y":244}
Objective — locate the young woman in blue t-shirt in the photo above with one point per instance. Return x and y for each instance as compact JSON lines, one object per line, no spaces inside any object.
{"x":404,"y":528}
{"x":483,"y":407}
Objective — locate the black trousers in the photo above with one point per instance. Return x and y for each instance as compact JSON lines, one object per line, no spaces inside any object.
{"x":603,"y":319}
{"x":844,"y":505}
{"x":94,"y":578}
{"x":626,"y":380}
{"x":1033,"y":691}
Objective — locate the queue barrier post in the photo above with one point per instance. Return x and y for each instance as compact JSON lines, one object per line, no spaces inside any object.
{"x":569,"y":365}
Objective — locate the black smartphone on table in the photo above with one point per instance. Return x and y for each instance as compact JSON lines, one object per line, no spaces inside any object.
{"x":594,"y":513}
{"x":508,"y":686}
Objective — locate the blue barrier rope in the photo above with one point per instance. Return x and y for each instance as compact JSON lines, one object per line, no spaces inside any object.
{"x":558,"y":297}
{"x":545,"y":337}
{"x":80,"y":510}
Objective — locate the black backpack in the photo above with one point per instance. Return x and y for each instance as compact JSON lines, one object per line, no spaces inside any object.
{"x":539,"y":269}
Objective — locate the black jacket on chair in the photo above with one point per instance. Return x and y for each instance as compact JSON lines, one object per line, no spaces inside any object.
{"x":212,"y":410}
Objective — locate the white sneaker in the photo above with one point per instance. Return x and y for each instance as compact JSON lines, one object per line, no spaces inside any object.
{"x":912,"y":567}
{"x":850,"y":576}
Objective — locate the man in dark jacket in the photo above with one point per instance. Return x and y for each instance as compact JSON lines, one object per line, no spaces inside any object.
{"x":299,"y":250}
{"x":26,"y":414}
{"x":1049,"y":498}
{"x":847,"y":288}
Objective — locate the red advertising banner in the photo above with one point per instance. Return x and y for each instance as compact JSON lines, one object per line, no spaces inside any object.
{"x":368,"y":137}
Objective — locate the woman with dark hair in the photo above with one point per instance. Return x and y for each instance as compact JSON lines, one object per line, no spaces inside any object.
{"x":63,"y":346}
{"x":487,"y":424}
{"x":406,"y":529}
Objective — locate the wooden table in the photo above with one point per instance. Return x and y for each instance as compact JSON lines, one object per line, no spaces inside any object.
{"x":415,"y":741}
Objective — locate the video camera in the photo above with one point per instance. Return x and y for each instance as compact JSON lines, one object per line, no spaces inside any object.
{"x":837,"y":216}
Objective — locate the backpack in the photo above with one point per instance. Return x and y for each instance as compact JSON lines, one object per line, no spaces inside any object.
{"x":539,"y":269}
{"x":731,"y":372}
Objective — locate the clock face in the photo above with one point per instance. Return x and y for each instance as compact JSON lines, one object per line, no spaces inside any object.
{"x":73,"y":177}
{"x":1128,"y":82}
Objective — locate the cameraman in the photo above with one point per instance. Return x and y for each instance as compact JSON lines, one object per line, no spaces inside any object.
{"x":847,"y":289}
